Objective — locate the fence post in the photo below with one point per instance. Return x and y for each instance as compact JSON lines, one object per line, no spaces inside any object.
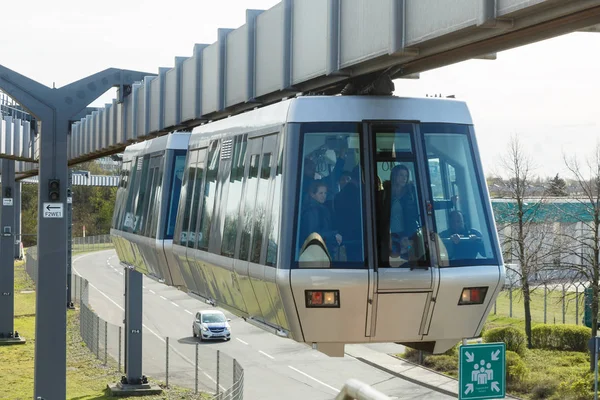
{"x":577,"y":304}
{"x":97,"y":337}
{"x":119,"y":349}
{"x":564,"y":301}
{"x":233,"y":385}
{"x":196,"y":384}
{"x":545,"y":302}
{"x":167,"y":362}
{"x":105,"y":342}
{"x":510,"y":302}
{"x":218,"y":357}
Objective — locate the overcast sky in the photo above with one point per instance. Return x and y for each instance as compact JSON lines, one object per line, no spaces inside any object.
{"x":547,"y":93}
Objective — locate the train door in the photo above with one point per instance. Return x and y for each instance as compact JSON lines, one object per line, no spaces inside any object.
{"x":260,"y":158}
{"x":405,"y":279}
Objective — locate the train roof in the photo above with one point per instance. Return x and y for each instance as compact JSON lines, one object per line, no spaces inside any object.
{"x":174,"y":140}
{"x":343,"y":109}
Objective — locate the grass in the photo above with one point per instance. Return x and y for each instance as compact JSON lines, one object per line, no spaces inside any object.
{"x":87,"y":377}
{"x":549,"y":374}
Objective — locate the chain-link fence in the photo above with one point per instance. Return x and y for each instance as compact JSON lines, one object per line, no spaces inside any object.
{"x":91,"y":243}
{"x":188,"y":363}
{"x":551,"y":303}
{"x":184,"y":362}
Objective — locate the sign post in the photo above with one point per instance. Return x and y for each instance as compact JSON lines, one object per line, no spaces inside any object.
{"x":482,"y":371}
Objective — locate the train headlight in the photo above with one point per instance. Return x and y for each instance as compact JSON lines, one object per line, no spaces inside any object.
{"x":473,"y":295}
{"x":322,"y":298}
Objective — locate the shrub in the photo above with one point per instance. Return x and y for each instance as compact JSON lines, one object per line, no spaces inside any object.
{"x":578,"y":389}
{"x":513,"y":338}
{"x":560,"y":337}
{"x":453,"y":351}
{"x":411,"y":355}
{"x":442,"y":363}
{"x":544,"y":389}
{"x":516,"y":370}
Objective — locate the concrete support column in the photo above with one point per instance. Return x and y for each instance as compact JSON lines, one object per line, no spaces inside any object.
{"x":51,"y":314}
{"x":133,"y":326}
{"x":7,"y":261}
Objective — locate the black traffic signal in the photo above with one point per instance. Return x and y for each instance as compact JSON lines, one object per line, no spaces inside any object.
{"x":54,"y":189}
{"x":8,"y":193}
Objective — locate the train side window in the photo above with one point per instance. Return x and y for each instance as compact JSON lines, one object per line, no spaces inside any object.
{"x":330,"y":202}
{"x":136,"y":168}
{"x":250,"y":197}
{"x":198,"y":178}
{"x":121,"y":196}
{"x":274,"y":221}
{"x":234,"y":197}
{"x":141,"y":194}
{"x":187,"y":193}
{"x":176,"y":190}
{"x":148,"y":211}
{"x":208,"y":203}
{"x":460,"y":219}
{"x":261,"y":208}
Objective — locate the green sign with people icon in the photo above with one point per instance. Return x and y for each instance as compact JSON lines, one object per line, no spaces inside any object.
{"x":482,"y":371}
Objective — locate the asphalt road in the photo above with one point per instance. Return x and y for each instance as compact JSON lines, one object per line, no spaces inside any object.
{"x":274,"y":367}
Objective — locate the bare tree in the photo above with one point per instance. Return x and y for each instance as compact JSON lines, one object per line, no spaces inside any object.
{"x":584,"y":251}
{"x":524,"y":230}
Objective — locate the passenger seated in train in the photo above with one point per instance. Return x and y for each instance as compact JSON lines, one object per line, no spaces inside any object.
{"x":347,"y":215}
{"x":461,"y":242}
{"x":316,"y":217}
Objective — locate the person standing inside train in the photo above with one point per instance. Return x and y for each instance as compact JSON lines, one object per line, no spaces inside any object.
{"x":400,"y":209}
{"x":347,"y":213}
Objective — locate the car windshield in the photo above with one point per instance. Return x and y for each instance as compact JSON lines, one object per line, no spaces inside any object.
{"x":209,"y":318}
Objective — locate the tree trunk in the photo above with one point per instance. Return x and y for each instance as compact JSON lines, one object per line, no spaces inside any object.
{"x":527,"y":305}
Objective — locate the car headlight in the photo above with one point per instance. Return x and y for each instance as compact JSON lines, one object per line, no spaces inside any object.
{"x":204,"y":328}
{"x":227,"y":326}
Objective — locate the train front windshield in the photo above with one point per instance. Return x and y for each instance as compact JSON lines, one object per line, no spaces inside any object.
{"x":423,"y":186}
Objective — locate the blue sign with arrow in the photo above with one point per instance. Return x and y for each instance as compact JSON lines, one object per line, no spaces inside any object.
{"x":482,"y":371}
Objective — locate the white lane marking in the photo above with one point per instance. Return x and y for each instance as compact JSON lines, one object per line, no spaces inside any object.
{"x":263,"y":353}
{"x":241,"y":340}
{"x":152,"y":291}
{"x":314,"y":379}
{"x":121,"y":272}
{"x":163,"y":297}
{"x":150,"y":330}
{"x":176,"y":305}
{"x":189,"y":312}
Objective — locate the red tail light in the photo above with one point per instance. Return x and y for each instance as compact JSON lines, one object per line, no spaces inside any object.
{"x":323,"y":298}
{"x":474,"y":295}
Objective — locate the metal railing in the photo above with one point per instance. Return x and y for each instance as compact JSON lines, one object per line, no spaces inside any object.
{"x":13,"y":109}
{"x":209,"y":371}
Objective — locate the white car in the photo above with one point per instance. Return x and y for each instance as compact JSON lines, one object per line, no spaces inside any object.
{"x":211,"y":324}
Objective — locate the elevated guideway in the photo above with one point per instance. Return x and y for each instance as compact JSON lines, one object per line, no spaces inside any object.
{"x":308,"y":46}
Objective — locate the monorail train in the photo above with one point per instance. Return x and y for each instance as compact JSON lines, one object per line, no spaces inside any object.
{"x":326,"y":219}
